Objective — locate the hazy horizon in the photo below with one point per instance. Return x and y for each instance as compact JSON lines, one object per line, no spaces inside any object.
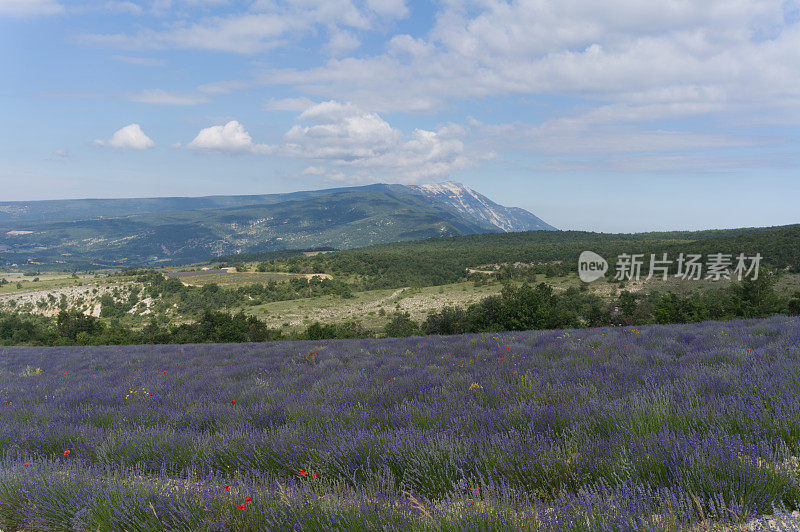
{"x":595,"y":228}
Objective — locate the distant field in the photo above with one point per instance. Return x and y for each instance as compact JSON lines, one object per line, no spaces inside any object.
{"x":45,"y":282}
{"x":366,"y":306}
{"x":688,"y":427}
{"x":419,"y":302}
{"x":225,"y":278}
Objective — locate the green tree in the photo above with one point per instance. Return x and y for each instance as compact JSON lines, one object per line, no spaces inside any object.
{"x":401,"y":324}
{"x":754,"y":298}
{"x":71,"y":323}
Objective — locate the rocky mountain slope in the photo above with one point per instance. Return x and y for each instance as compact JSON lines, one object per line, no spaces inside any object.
{"x":137,"y":232}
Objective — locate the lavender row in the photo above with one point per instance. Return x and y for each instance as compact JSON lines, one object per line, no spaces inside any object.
{"x":624,"y":428}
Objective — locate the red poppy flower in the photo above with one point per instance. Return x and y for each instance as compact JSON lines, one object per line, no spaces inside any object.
{"x":249,"y":500}
{"x":26,"y":464}
{"x":303,"y":472}
{"x":66,"y":452}
{"x":233,"y":402}
{"x":315,"y":475}
{"x":242,"y":506}
{"x":227,"y":488}
{"x":471,"y":502}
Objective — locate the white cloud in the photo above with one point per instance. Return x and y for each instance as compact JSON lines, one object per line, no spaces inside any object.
{"x":736,"y":53}
{"x":314,"y":170}
{"x":263,"y":26}
{"x":342,"y":42}
{"x":339,"y":131}
{"x":130,"y":136}
{"x":228,"y":138}
{"x":342,"y":142}
{"x":389,"y":8}
{"x":29,"y":8}
{"x":350,"y":144}
{"x":162,"y":97}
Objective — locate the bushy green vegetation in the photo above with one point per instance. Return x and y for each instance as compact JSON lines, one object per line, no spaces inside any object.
{"x":75,"y":328}
{"x":524,"y":307}
{"x":517,"y":307}
{"x":138,"y":305}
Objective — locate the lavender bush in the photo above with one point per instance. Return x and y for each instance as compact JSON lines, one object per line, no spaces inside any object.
{"x":640,"y":428}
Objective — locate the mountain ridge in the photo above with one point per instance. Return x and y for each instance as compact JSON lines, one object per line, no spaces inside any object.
{"x":83,"y":233}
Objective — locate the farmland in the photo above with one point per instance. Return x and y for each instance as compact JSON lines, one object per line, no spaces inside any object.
{"x":624,"y":428}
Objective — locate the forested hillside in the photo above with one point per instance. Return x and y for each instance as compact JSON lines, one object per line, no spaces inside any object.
{"x":446,"y":260}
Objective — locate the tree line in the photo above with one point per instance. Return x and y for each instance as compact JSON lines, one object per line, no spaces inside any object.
{"x":440,"y":261}
{"x":540,"y":307}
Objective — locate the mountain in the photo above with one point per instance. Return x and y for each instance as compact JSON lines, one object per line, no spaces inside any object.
{"x":468,"y":202}
{"x":96,"y":233}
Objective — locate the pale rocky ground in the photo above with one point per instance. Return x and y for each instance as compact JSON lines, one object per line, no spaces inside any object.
{"x":366,"y":305}
{"x":73,"y":293}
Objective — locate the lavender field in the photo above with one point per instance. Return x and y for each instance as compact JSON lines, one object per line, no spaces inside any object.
{"x":651,"y":428}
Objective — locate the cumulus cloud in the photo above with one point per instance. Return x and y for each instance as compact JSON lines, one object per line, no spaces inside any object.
{"x":342,"y":42}
{"x":347,"y":143}
{"x":29,"y":8}
{"x":741,"y":52}
{"x":130,"y":136}
{"x":162,"y":97}
{"x":339,"y":131}
{"x":342,"y":142}
{"x":634,"y":68}
{"x":228,"y":138}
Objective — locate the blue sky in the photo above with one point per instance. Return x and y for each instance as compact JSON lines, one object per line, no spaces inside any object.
{"x":628,"y":115}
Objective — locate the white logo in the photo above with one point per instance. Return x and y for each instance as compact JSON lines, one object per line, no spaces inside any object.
{"x":591,"y":266}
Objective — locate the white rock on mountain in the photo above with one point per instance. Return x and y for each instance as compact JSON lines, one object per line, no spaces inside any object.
{"x":466,"y":201}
